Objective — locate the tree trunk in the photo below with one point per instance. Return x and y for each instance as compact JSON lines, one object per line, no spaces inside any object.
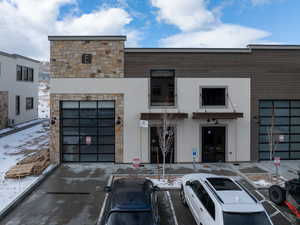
{"x":164,"y":163}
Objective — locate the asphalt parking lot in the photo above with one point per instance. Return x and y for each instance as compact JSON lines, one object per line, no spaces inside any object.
{"x":74,"y":195}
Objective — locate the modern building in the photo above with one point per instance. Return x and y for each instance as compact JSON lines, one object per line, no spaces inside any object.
{"x":18,"y":89}
{"x":107,"y":101}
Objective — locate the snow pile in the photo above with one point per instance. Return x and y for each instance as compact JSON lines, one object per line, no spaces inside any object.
{"x":13,"y":148}
{"x":169,"y":183}
{"x":44,"y":99}
{"x":262,"y":183}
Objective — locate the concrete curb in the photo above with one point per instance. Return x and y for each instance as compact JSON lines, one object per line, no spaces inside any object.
{"x":25,"y":193}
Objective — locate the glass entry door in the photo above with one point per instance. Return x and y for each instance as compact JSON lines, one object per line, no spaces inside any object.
{"x":87,"y":131}
{"x":213,"y":144}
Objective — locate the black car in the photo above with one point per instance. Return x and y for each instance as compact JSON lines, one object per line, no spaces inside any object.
{"x":132,"y":202}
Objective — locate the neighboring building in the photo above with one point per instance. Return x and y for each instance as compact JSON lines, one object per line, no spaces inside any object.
{"x":18,"y":89}
{"x":223,"y":100}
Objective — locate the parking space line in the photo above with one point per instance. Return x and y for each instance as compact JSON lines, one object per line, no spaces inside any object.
{"x":274,"y":214}
{"x":261,"y":195}
{"x":172,"y":208}
{"x":102,"y":210}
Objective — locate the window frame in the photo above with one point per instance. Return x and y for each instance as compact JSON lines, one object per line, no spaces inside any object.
{"x":174,"y":105}
{"x":86,"y":58}
{"x":201,"y":106}
{"x":29,"y":106}
{"x":287,"y":154}
{"x":21,"y":74}
{"x":18,"y":105}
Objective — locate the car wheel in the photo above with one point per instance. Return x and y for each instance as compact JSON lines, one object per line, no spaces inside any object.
{"x":182,"y":197}
{"x":277,"y":194}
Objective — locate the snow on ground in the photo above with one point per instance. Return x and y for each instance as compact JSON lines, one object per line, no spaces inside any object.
{"x":168,"y":183}
{"x":44,"y":99}
{"x":18,"y":126}
{"x":13,"y":148}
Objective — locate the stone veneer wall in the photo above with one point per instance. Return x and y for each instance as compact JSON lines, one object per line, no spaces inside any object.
{"x":107,"y":59}
{"x":55,"y":113}
{"x":3,"y":109}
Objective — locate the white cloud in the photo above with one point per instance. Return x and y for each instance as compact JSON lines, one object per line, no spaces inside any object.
{"x":201,"y":27}
{"x":25,"y":24}
{"x":225,"y":35}
{"x":187,"y":15}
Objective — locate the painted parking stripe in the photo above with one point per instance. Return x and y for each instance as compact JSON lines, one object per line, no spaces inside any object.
{"x":172,"y":208}
{"x":102,"y":210}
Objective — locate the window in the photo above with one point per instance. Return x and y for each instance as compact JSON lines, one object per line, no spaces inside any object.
{"x":223,"y":184}
{"x":30,"y":74}
{"x":285,"y":115}
{"x":162,"y":88}
{"x":233,"y":218}
{"x":19,"y":72}
{"x":204,"y":197}
{"x":24,"y":73}
{"x":17,"y":105}
{"x":213,"y":96}
{"x":86,"y":58}
{"x":29,"y":103}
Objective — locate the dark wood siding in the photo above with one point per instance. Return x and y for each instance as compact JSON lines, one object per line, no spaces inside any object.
{"x":275,"y":74}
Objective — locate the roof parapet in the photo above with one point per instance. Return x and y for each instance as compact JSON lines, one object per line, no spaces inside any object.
{"x":87,"y":38}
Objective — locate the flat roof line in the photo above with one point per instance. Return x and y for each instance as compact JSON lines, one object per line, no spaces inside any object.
{"x":275,"y":47}
{"x":190,"y":50}
{"x":18,"y":56}
{"x":87,"y":38}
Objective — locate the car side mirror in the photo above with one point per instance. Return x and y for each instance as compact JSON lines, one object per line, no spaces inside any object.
{"x":188,"y":183}
{"x":155,"y":188}
{"x":107,"y":189}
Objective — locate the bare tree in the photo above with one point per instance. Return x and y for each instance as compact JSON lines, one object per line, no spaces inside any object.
{"x":273,"y":136}
{"x":165,"y":132}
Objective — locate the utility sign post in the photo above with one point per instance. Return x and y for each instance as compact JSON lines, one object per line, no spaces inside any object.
{"x":194,"y":154}
{"x":277,"y":164}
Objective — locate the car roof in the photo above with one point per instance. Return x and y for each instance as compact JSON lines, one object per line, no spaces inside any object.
{"x":230,"y":195}
{"x":130,"y":194}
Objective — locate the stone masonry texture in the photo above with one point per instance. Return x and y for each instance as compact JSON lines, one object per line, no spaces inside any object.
{"x":55,"y":116}
{"x":107,"y":59}
{"x":3,"y":109}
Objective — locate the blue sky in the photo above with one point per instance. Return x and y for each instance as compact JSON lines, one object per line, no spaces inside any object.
{"x":149,"y":23}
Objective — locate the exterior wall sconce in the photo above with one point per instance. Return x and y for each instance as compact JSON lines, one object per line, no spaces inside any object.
{"x":118,"y":122}
{"x":53,"y":121}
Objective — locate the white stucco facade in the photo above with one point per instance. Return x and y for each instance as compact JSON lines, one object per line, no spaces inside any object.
{"x":188,"y":131}
{"x":9,"y":83}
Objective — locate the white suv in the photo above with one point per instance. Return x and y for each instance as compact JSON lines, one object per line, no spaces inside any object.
{"x":217,"y":200}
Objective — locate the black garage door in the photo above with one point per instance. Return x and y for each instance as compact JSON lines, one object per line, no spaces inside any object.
{"x":88,"y":131}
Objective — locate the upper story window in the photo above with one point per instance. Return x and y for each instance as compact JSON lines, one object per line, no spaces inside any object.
{"x":162,"y":86}
{"x":86,"y":58}
{"x":213,"y":96}
{"x":25,"y":73}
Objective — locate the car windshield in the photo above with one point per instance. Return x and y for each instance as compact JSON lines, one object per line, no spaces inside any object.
{"x":130,"y":218}
{"x":259,"y":218}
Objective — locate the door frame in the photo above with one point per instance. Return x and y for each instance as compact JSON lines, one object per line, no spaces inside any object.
{"x":175,"y":143}
{"x":201,"y":142}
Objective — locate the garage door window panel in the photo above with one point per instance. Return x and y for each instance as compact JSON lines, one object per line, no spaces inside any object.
{"x":88,"y":130}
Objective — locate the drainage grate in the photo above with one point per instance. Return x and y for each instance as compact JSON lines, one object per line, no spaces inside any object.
{"x":67,"y":193}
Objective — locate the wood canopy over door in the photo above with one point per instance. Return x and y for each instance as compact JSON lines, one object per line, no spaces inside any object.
{"x":156,"y":155}
{"x":213,"y":144}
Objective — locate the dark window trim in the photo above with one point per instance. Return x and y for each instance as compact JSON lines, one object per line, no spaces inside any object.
{"x":18,"y":104}
{"x":175,"y":88}
{"x":213,"y":87}
{"x":97,"y":135}
{"x":31,"y":106}
{"x":290,"y":126}
{"x":22,"y":77}
{"x":86,"y":58}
